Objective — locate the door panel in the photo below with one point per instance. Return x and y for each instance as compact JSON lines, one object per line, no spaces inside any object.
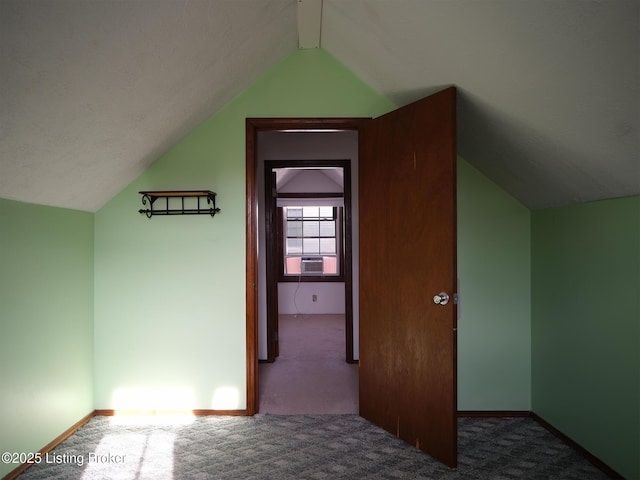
{"x":273,"y":243}
{"x":407,"y":218}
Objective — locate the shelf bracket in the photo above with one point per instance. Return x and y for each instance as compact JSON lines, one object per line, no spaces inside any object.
{"x":149,"y":199}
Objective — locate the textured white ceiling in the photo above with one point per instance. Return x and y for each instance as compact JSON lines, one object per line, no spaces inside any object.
{"x":92,"y":92}
{"x":548,"y":89}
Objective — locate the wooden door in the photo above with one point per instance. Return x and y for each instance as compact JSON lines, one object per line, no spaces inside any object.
{"x":273,"y":243}
{"x":407,"y":215}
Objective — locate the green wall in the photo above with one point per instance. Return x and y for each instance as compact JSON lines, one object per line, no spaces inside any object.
{"x":46,"y":324}
{"x":586,"y":326}
{"x":549,"y":310}
{"x":494,"y":316}
{"x":170,"y":291}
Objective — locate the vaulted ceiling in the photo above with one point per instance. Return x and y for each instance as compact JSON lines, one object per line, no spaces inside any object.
{"x":92,"y":92}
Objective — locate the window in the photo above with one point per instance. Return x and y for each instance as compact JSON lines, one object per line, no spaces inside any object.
{"x":312,"y":241}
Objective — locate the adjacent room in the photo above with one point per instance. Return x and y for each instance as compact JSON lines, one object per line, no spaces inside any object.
{"x":308,"y":284}
{"x":117,"y":305}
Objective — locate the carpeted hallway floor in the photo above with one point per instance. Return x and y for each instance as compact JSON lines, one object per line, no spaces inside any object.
{"x":311,"y":375}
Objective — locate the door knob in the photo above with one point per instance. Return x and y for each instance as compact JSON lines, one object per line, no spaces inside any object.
{"x":441,"y":299}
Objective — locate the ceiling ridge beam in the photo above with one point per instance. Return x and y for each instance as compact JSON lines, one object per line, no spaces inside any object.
{"x":309,"y":23}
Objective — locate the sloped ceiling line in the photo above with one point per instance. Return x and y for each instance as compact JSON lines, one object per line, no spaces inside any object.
{"x":92,"y":93}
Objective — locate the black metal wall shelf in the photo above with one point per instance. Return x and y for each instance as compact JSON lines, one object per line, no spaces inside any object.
{"x":150,"y":198}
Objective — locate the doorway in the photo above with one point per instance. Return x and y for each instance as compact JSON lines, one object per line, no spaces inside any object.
{"x":261,"y":132}
{"x":308,"y":249}
{"x":307,"y":237}
{"x":407,"y":375}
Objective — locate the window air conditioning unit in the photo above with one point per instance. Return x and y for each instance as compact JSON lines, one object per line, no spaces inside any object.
{"x":311,"y":264}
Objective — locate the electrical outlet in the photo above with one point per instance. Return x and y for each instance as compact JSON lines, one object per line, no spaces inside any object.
{"x":314,"y":298}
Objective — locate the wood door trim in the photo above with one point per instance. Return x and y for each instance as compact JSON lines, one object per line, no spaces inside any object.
{"x":272,"y":249}
{"x":251,"y":286}
{"x":252,"y":127}
{"x":344,"y":252}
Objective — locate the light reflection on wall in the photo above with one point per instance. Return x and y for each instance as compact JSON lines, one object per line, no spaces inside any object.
{"x":153,"y":400}
{"x":226,"y":398}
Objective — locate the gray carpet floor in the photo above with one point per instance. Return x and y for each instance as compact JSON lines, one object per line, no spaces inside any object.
{"x":311,"y":375}
{"x":283,"y":447}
